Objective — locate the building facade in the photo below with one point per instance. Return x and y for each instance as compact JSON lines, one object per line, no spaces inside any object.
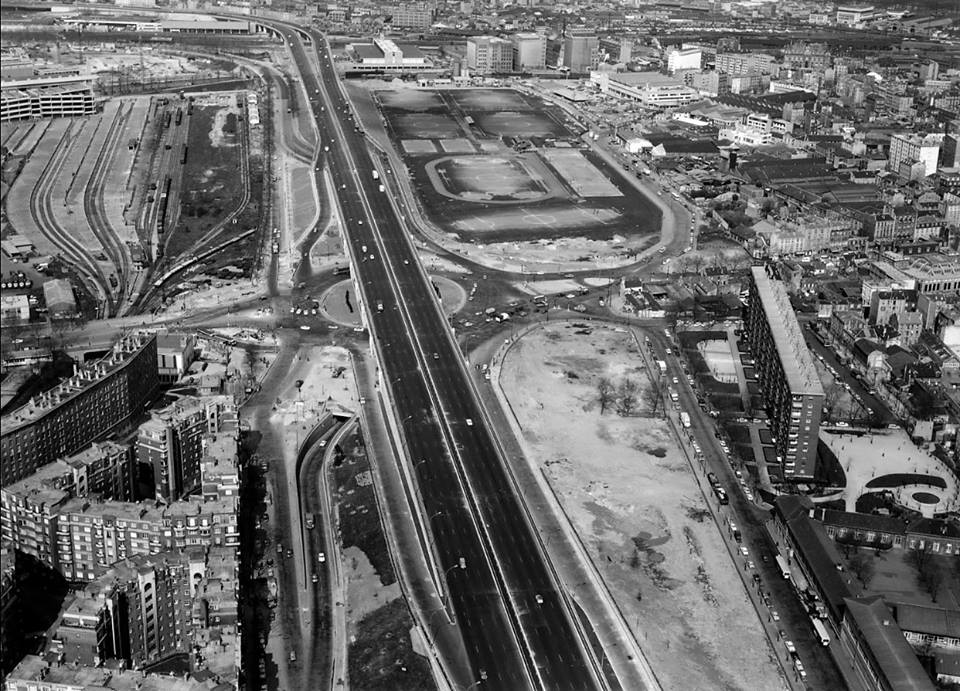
{"x":171,"y":442}
{"x":912,"y":148}
{"x":529,"y":51}
{"x":792,"y":389}
{"x":489,"y":55}
{"x":581,"y":51}
{"x":57,"y":97}
{"x":90,"y":405}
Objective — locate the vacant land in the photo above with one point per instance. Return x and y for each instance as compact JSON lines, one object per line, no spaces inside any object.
{"x":631,"y":495}
{"x":381,"y":654}
{"x":212,"y":186}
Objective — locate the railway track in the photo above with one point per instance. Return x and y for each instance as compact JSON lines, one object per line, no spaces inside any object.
{"x":41,"y":209}
{"x":94,"y":210}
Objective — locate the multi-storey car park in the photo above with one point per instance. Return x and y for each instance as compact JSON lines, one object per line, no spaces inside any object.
{"x":53,"y":97}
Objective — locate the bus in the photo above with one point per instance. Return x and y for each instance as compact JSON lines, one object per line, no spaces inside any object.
{"x":784,"y":569}
{"x":821,"y":631}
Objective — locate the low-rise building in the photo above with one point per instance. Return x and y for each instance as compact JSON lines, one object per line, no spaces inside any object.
{"x":14,"y":308}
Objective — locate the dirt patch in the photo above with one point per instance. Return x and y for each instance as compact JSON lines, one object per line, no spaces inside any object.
{"x":645,"y":523}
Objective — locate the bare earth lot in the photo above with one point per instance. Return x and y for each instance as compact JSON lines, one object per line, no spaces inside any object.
{"x":631,"y":496}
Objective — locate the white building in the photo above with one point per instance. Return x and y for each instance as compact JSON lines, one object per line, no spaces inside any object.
{"x":14,"y":308}
{"x":649,"y":88}
{"x":912,"y":148}
{"x":529,"y":51}
{"x":489,"y":54}
{"x":684,"y":59}
{"x":854,"y":15}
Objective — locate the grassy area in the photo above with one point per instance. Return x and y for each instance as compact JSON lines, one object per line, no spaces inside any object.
{"x":211,"y":187}
{"x":383,"y":656}
{"x":359,"y":516}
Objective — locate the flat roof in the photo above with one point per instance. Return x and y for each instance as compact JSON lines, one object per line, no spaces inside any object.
{"x":795,"y":358}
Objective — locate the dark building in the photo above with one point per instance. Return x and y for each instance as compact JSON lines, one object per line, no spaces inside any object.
{"x":791,"y":387}
{"x":94,"y":402}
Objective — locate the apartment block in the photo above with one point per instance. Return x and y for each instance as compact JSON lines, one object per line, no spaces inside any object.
{"x":11,"y":624}
{"x":81,"y":538}
{"x":791,"y":387}
{"x":744,"y":63}
{"x":139,"y":611}
{"x":489,"y":55}
{"x":529,"y":51}
{"x":96,"y":401}
{"x":581,"y":51}
{"x":912,"y":148}
{"x":684,"y":59}
{"x":171,"y":441}
{"x":417,"y":16}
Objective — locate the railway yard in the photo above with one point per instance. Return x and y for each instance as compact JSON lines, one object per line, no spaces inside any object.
{"x":128,"y":198}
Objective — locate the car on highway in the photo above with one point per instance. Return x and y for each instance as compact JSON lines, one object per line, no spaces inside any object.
{"x":379,"y":305}
{"x":436,"y":356}
{"x":469,"y":422}
{"x":315,"y":578}
{"x":304,"y":327}
{"x":322,"y":557}
{"x":289,"y":554}
{"x":744,"y":551}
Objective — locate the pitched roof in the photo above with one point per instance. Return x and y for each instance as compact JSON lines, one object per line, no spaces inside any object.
{"x":861,"y":521}
{"x":935,"y":621}
{"x":890,"y":651}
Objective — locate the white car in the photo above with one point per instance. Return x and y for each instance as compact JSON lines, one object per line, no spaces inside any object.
{"x":469,"y":422}
{"x":322,"y":557}
{"x":744,"y":551}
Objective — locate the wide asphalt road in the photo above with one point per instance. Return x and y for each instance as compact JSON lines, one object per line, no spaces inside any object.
{"x":514,"y":625}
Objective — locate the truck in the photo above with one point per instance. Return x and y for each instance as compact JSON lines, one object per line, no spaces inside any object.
{"x":685,"y":419}
{"x":784,"y":568}
{"x":821,"y":631}
{"x":376,"y":175}
{"x":663,"y":367}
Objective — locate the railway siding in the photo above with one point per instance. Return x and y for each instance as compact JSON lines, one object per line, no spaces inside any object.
{"x":19,"y":197}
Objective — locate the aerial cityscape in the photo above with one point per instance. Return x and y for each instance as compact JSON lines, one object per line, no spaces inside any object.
{"x":475,"y":345}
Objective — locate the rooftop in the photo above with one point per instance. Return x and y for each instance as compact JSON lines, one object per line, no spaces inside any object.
{"x":122,"y":353}
{"x":891,"y":652}
{"x":792,"y":350}
{"x":33,"y":669}
{"x":935,"y":621}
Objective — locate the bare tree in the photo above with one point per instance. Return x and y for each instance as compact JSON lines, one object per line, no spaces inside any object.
{"x":831,"y":399}
{"x":931,"y":577}
{"x":627,"y":397}
{"x":606,"y":394}
{"x":652,"y":396}
{"x":863,"y":567}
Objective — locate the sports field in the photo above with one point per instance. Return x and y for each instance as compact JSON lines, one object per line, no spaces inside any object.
{"x":487,"y":178}
{"x":488,"y":99}
{"x":475,"y":180}
{"x":514,"y":123}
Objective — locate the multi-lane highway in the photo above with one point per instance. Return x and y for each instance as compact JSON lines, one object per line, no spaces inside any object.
{"x":513,"y":621}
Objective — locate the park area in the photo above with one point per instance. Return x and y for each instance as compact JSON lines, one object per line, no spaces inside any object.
{"x":630,"y":494}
